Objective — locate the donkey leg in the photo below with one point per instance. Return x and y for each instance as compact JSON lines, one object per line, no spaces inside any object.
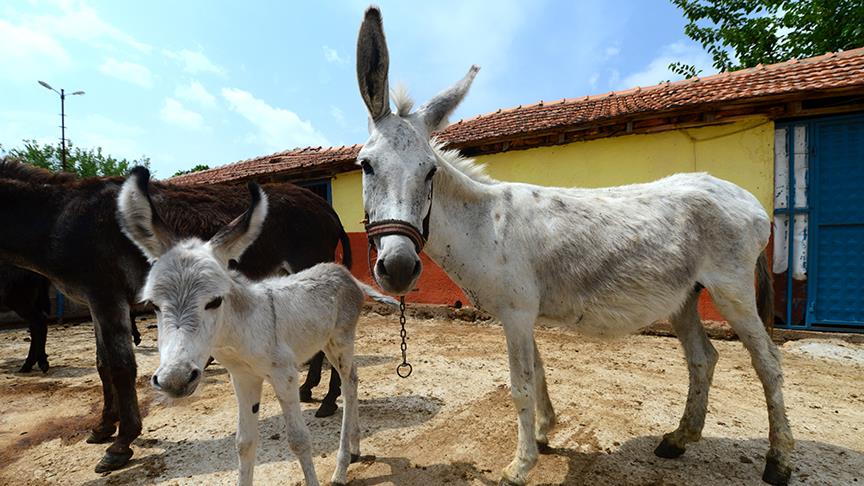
{"x":328,"y":405}
{"x":313,"y":377}
{"x":545,"y":418}
{"x":299,"y":441}
{"x":107,"y":425}
{"x":737,"y":302}
{"x":520,"y":350}
{"x":701,"y":358}
{"x":136,"y":336}
{"x":38,"y":327}
{"x":349,"y":439}
{"x":247,"y":389}
{"x":113,"y":338}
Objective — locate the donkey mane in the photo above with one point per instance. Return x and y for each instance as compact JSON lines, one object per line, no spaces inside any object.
{"x":471,"y":168}
{"x":402,"y":99}
{"x":12,"y":168}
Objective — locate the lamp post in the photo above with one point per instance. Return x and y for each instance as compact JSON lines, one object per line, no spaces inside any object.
{"x":62,"y":94}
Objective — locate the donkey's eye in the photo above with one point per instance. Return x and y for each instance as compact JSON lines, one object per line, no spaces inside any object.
{"x":430,"y":174}
{"x":367,"y":167}
{"x":214,"y":303}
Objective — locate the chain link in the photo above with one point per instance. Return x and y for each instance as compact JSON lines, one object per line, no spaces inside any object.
{"x":405,"y":368}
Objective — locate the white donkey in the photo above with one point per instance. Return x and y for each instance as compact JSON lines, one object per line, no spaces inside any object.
{"x":606,"y":261}
{"x":257,"y":330}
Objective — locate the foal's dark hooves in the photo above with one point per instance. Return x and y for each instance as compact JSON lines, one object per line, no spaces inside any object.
{"x":113,"y":461}
{"x":305,"y":395}
{"x":543,"y":448}
{"x":100,"y":436}
{"x":668,"y":450}
{"x":210,"y":361}
{"x":775,"y":473}
{"x":326,"y":409}
{"x":355,"y":458}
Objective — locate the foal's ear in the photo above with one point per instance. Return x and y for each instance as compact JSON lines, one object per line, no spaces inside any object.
{"x":435,"y":112}
{"x":139,"y":219}
{"x":373,"y":61}
{"x":232,"y":240}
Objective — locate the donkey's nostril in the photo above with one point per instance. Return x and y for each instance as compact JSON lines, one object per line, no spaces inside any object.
{"x":417,"y":268}
{"x":194,"y":376}
{"x":155,"y":381}
{"x":381,"y":268}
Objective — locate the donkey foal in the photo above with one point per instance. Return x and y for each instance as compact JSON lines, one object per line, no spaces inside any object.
{"x":257,"y":330}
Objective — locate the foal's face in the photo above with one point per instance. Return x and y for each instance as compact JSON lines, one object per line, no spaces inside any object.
{"x":398,"y":162}
{"x":188,"y":280}
{"x":187,"y":285}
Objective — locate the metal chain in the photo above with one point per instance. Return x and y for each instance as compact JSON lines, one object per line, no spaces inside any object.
{"x":405,"y":368}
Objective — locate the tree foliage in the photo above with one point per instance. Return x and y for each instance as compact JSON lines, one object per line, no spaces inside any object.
{"x":81,"y":162}
{"x":197,"y":168}
{"x":743,"y":33}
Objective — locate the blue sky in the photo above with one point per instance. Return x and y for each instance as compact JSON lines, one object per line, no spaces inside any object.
{"x":215,"y":82}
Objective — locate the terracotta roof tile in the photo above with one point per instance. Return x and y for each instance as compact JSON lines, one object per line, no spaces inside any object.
{"x":828,"y":71}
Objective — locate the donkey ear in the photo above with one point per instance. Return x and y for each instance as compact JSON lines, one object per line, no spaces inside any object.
{"x":232,"y":240}
{"x":373,"y":61}
{"x":138,"y":218}
{"x":435,"y":112}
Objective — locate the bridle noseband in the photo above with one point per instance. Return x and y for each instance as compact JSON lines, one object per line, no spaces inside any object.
{"x":387,"y":227}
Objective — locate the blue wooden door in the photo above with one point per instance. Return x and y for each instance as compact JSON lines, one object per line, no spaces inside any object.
{"x":836,"y":264}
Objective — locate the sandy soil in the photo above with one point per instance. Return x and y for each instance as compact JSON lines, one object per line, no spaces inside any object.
{"x":452,"y":421}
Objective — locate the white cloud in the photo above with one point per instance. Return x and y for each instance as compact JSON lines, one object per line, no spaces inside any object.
{"x":333,"y":56}
{"x":338,"y":114}
{"x":658,"y":71}
{"x":195,"y":92}
{"x":29,"y":54}
{"x":175,"y":113}
{"x":127,"y":71}
{"x":277,"y":128}
{"x":611,"y":51}
{"x":80,"y":22}
{"x":194,"y":62}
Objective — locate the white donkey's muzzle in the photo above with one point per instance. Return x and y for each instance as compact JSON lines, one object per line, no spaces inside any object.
{"x":398,"y":266}
{"x":178,"y":380}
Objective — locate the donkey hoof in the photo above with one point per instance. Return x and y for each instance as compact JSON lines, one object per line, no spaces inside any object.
{"x":355,"y":458}
{"x":98,"y":436}
{"x":543,"y":448}
{"x":113,"y":461}
{"x":326,"y":409}
{"x":305,"y":395}
{"x":27,"y":367}
{"x":43,"y":365}
{"x":775,"y":473}
{"x":668,"y":450}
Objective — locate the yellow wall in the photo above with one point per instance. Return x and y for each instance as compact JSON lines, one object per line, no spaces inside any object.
{"x":741,"y":152}
{"x":347,"y":193}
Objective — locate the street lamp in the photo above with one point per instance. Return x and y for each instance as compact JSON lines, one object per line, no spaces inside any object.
{"x":62,"y":94}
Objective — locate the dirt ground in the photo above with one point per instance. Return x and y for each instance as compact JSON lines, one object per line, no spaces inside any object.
{"x":452,"y":421}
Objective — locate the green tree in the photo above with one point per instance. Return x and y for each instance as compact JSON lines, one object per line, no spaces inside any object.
{"x":81,"y":162}
{"x":197,"y":168}
{"x":743,"y":33}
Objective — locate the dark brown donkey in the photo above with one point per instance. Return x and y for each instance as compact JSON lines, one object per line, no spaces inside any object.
{"x":66,"y":229}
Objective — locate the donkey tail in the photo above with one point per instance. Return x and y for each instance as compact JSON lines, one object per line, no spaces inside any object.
{"x":376,"y":296}
{"x":765,"y":291}
{"x":346,"y":247}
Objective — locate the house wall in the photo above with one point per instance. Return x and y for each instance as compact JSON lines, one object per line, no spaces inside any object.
{"x":741,"y":152}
